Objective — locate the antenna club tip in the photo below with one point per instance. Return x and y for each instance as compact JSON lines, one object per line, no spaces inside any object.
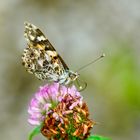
{"x":103,"y":55}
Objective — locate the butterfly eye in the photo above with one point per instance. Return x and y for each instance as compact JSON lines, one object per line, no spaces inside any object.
{"x":73,"y":76}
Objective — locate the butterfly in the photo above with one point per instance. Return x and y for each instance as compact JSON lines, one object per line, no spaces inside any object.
{"x":41,"y":59}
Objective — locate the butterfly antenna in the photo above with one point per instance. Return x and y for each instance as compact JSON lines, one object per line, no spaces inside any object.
{"x":103,"y":55}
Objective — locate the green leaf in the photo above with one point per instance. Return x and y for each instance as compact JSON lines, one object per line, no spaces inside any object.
{"x":95,"y":137}
{"x":35,"y":131}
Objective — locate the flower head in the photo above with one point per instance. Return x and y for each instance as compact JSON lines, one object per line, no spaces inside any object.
{"x":61,"y":111}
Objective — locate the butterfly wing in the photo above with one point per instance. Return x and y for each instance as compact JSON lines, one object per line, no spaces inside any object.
{"x":40,"y":57}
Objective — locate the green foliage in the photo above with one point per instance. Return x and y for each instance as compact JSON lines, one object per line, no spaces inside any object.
{"x":95,"y":137}
{"x":35,"y":132}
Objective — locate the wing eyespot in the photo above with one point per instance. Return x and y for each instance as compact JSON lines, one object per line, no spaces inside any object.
{"x":55,"y":57}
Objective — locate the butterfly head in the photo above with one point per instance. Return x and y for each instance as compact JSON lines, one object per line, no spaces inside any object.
{"x":73,"y":75}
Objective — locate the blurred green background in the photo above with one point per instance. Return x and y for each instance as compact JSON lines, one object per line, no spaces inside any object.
{"x":80,"y":30}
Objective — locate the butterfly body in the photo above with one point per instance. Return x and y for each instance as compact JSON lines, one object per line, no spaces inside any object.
{"x":41,"y":59}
